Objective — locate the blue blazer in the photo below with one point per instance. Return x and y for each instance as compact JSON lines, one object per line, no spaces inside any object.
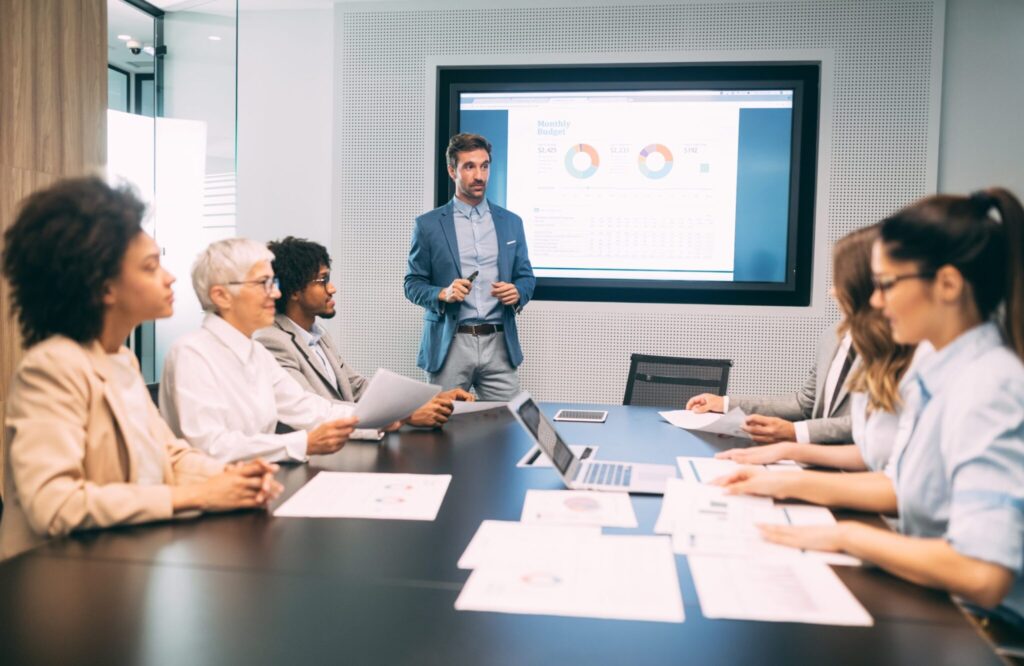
{"x":434,"y":263}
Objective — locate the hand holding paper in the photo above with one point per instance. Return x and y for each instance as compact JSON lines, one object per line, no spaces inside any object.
{"x":391,"y":397}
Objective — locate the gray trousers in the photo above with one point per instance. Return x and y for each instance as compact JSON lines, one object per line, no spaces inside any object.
{"x":478,"y":362}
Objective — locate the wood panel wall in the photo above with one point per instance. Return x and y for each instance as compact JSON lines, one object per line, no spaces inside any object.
{"x":53,"y":101}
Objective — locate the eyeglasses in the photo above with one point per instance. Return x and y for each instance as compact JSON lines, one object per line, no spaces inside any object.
{"x":887,"y":282}
{"x":270,"y":284}
{"x":322,"y":281}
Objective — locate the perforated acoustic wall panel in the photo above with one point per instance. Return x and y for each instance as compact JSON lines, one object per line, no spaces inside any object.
{"x":877,"y":150}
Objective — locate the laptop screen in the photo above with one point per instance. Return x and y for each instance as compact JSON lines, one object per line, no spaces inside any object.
{"x":548,"y":440}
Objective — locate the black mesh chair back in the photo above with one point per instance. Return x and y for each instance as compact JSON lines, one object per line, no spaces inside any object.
{"x":154,"y":393}
{"x":668,"y":381}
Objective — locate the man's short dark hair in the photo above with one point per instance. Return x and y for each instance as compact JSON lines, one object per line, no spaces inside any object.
{"x":67,"y":243}
{"x":296,"y":263}
{"x":465,"y":143}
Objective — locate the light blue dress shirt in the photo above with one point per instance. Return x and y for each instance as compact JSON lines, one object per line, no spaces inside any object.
{"x":958,"y":463}
{"x":875,"y":431}
{"x":478,"y":251}
{"x":312,"y":340}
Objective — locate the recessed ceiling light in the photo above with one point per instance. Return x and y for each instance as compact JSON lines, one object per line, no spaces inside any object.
{"x":214,"y":38}
{"x":124,"y":38}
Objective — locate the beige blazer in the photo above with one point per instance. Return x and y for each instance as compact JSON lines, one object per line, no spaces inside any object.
{"x":69,"y":466}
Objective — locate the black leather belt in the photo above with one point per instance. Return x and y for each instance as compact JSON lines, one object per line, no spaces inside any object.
{"x":481,"y":329}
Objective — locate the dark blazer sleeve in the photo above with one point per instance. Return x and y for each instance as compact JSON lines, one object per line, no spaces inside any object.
{"x":418,"y":276}
{"x":522,"y":270}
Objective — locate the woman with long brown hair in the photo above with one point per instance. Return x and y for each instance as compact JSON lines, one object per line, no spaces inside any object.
{"x":948,"y":270}
{"x":873,"y":384}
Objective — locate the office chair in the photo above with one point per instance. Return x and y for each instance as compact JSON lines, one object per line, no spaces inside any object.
{"x":668,"y":381}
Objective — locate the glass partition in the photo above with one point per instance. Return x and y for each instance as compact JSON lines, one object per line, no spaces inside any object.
{"x":171,"y":134}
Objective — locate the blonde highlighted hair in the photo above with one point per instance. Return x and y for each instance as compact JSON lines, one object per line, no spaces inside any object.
{"x":882,"y":362}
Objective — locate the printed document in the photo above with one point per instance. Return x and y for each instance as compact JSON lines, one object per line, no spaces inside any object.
{"x":615,"y":577}
{"x":391,"y":397}
{"x":705,"y":470}
{"x":368,"y":495}
{"x":774,"y":591}
{"x":719,"y":424}
{"x":506,"y":543}
{"x":579,"y":507}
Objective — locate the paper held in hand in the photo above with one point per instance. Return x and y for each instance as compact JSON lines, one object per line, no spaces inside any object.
{"x":729,"y":424}
{"x":391,"y":398}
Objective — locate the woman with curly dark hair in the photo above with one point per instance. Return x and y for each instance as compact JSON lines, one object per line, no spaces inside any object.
{"x":86,"y":446}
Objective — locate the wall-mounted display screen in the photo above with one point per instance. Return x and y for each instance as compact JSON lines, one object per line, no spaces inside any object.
{"x":650,"y":183}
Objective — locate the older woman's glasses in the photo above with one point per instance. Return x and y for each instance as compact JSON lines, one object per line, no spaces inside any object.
{"x":270,"y":284}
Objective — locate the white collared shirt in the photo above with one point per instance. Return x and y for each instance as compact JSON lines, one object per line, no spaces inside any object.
{"x":225,"y":394}
{"x":312,"y":340}
{"x":149,"y":454}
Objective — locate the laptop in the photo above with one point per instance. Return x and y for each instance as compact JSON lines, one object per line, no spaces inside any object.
{"x":591,"y":474}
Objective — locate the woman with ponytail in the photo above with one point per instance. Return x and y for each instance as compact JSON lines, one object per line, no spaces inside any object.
{"x":874,"y":383}
{"x":948,"y":270}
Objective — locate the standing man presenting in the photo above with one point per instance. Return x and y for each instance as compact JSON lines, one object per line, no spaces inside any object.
{"x":469,"y":269}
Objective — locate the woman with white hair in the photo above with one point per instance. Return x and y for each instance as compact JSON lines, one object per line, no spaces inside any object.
{"x":222,"y":391}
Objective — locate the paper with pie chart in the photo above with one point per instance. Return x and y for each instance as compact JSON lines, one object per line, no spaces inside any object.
{"x":579,"y":507}
{"x":368,"y":495}
{"x":616,"y":577}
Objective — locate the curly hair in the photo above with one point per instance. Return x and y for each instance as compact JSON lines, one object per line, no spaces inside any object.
{"x":296,"y":263}
{"x":67,"y":242}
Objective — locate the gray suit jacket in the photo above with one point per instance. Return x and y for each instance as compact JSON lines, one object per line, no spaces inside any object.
{"x":806,"y":403}
{"x":284,"y":341}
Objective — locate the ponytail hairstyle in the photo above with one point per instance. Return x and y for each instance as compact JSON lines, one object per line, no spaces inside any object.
{"x":883,"y":362}
{"x":987,"y":249}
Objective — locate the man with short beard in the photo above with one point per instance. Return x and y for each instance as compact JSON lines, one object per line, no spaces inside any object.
{"x":305,"y":350}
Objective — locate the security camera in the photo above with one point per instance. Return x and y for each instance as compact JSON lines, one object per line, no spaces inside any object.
{"x":134,"y":46}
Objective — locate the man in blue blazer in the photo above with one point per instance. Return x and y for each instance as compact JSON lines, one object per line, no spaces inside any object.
{"x":469,"y":269}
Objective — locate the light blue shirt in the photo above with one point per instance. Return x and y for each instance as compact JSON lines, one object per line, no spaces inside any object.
{"x":875,"y":431}
{"x":478,"y":251}
{"x":958,"y":463}
{"x":312,"y":340}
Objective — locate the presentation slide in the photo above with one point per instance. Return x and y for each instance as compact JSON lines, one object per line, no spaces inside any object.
{"x":648,"y":185}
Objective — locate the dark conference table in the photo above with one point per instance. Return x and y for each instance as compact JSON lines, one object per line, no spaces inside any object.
{"x":249,"y":588}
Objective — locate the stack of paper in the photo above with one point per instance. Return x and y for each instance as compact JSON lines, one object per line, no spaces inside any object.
{"x":706,"y":470}
{"x":391,"y":397}
{"x":705,"y":520}
{"x":774,"y":591}
{"x":720,"y":424}
{"x":367,"y":495}
{"x":572,"y":571}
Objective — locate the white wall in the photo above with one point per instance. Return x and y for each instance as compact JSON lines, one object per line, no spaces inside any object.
{"x":982,"y":138}
{"x":285,"y":116}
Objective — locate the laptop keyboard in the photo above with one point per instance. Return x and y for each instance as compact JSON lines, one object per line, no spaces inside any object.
{"x":608,"y":474}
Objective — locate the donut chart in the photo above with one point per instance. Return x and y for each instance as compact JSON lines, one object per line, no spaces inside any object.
{"x":650,"y":150}
{"x":570,"y":161}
